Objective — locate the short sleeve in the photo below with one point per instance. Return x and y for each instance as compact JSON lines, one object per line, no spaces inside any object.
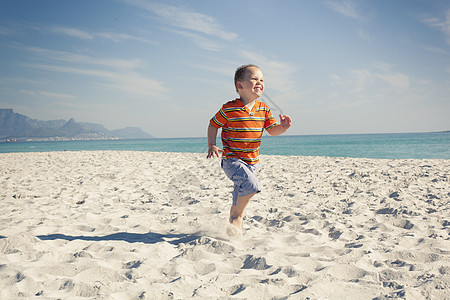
{"x":220,"y":119}
{"x":270,"y":120}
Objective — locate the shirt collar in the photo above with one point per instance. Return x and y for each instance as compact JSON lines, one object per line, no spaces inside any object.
{"x":245,"y":107}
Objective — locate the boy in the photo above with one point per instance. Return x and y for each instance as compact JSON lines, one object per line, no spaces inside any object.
{"x":243,"y":121}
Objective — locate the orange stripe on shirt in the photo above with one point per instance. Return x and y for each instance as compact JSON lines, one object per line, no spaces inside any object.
{"x":242,"y":129}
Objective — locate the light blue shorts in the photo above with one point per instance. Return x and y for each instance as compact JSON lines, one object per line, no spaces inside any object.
{"x":243,"y":177}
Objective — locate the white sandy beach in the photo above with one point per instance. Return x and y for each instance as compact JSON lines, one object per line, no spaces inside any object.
{"x":142,"y":225}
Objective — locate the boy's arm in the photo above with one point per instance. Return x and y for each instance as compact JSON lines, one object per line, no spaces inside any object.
{"x":213,"y":150}
{"x":282,"y":127}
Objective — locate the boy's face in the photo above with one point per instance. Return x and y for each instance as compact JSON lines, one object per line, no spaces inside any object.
{"x":252,"y":86}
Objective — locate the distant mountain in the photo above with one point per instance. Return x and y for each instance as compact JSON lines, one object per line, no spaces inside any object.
{"x":131,"y":133}
{"x":20,"y":127}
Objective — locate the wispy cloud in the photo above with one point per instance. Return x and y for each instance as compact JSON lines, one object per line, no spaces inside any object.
{"x":192,"y":23}
{"x":441,"y":23}
{"x":376,"y":78}
{"x":115,"y":37}
{"x":47,"y":94}
{"x":9,"y":81}
{"x":360,"y":80}
{"x":395,"y":80}
{"x":73,"y":32}
{"x":6,"y":31}
{"x":435,"y":50}
{"x":111,"y":73}
{"x":123,"y":37}
{"x":382,"y":66}
{"x":57,"y":95}
{"x":346,"y":8}
{"x":363,"y":35}
{"x":185,"y":18}
{"x":130,"y":82}
{"x":201,"y":41}
{"x":73,"y":58}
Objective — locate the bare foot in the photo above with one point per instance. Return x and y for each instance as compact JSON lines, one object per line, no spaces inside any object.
{"x":233,"y":230}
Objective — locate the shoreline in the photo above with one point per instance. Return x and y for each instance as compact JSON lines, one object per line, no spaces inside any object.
{"x":68,"y":138}
{"x":124,"y":224}
{"x":403,"y":146}
{"x":201,"y":154}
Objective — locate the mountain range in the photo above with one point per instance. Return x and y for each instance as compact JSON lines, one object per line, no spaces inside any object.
{"x":14,"y":126}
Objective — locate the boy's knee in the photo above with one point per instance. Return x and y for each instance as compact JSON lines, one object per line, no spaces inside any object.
{"x":250,"y":186}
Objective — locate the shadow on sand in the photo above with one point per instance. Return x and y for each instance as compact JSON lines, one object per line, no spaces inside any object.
{"x":147,"y":238}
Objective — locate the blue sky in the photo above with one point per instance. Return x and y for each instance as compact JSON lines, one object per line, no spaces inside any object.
{"x":344,"y":66}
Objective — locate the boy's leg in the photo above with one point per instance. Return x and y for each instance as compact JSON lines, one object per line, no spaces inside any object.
{"x":237,"y":211}
{"x":245,"y":182}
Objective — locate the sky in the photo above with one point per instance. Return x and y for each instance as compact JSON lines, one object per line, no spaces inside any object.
{"x":335,"y":67}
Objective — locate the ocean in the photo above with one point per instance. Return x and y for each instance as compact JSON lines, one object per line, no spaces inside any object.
{"x":387,"y":146}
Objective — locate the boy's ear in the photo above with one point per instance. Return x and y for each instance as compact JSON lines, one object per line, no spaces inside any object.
{"x":238,"y":85}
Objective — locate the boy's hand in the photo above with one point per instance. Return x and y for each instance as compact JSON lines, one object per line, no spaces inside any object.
{"x":213,"y":151}
{"x":285,"y":121}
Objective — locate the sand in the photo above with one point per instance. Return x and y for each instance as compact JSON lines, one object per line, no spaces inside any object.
{"x":142,"y":225}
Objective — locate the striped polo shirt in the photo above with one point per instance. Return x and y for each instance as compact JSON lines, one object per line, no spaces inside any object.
{"x":242,"y":129}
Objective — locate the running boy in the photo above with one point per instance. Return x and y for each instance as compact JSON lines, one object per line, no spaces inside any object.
{"x":243,"y":121}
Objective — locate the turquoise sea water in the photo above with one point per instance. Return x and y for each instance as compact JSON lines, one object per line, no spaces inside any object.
{"x":390,"y":146}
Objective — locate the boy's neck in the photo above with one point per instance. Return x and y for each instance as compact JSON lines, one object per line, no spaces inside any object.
{"x":246,"y":101}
